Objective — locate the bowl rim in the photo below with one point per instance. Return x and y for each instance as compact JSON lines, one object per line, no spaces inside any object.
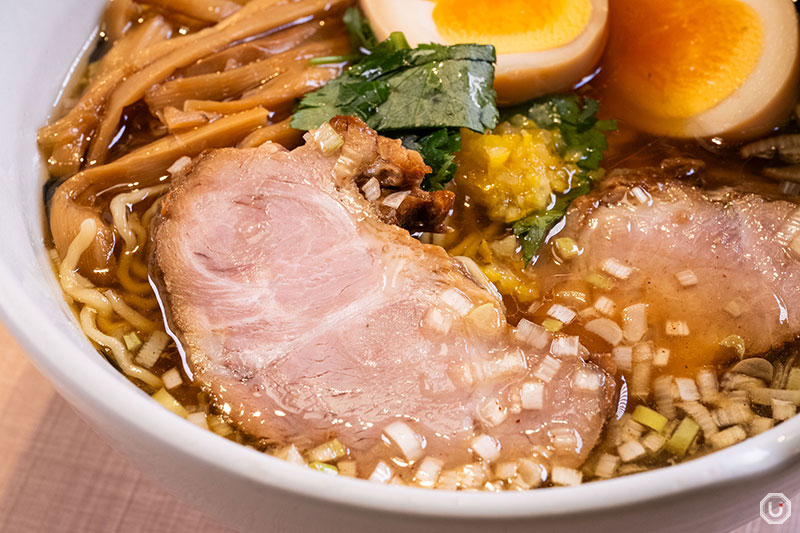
{"x":71,"y":370}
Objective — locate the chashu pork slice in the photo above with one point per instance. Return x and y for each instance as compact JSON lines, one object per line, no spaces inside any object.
{"x":715,"y":271}
{"x":307,"y":317}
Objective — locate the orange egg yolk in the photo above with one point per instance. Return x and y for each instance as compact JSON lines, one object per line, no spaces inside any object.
{"x":512,"y":25}
{"x":678,"y":58}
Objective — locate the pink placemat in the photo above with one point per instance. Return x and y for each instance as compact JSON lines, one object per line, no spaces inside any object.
{"x":57,"y":475}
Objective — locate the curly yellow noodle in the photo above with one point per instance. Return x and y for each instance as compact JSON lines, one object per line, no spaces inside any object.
{"x":139,"y":267}
{"x":77,"y":287}
{"x":119,"y":207}
{"x":142,"y":303}
{"x":133,"y":234}
{"x":128,"y":313}
{"x":121,"y":355}
{"x":148,"y":215}
{"x":128,"y":282}
{"x":110,"y":325}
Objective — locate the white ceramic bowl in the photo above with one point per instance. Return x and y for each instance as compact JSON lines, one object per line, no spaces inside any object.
{"x":249,"y":490}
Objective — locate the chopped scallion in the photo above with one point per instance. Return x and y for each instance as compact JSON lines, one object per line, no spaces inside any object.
{"x":167,"y":400}
{"x":552,"y":325}
{"x":171,"y":378}
{"x":630,"y":450}
{"x":652,"y":419}
{"x":567,"y":477}
{"x":132,"y":341}
{"x":485,"y":447}
{"x":219,"y":426}
{"x":613,"y":267}
{"x":347,"y":468}
{"x":728,"y":437}
{"x":686,"y":278}
{"x":684,"y":436}
{"x":760,"y":424}
{"x":662,"y":394}
{"x":561,"y":313}
{"x":198,"y":419}
{"x":605,"y":305}
{"x":291,"y":454}
{"x":600,"y":281}
{"x":324,"y":467}
{"x":566,"y":248}
{"x":330,"y":451}
{"x":733,"y":414}
{"x":606,"y":466}
{"x":653,"y":442}
{"x":676,"y":328}
{"x":327,"y":139}
{"x":606,"y":329}
{"x":783,"y":410}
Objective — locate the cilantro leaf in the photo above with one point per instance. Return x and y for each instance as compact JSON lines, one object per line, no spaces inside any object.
{"x":359,"y":91}
{"x":533,"y":228}
{"x":438,"y":149}
{"x":584,"y":143}
{"x":441,"y":86}
{"x":361,"y":34}
{"x":576,"y":119}
{"x":399,"y":88}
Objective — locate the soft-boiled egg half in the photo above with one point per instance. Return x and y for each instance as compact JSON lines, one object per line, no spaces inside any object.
{"x":700,"y":68}
{"x":543,"y":47}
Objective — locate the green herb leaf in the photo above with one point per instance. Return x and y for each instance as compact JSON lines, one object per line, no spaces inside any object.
{"x":327,"y":60}
{"x":361,"y":34}
{"x":398,"y":88}
{"x":359,"y":91}
{"x":438,"y":149}
{"x":584,"y":142}
{"x":442,"y":86}
{"x":576,"y":119}
{"x":533,"y":228}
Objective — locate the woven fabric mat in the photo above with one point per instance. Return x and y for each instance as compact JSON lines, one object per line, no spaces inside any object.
{"x":57,"y":475}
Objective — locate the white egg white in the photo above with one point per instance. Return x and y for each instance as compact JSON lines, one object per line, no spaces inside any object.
{"x":760,"y":104}
{"x":518,"y":76}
